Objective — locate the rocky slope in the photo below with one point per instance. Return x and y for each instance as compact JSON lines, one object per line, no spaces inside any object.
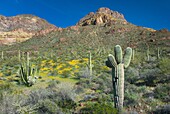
{"x":102,"y":16}
{"x":99,"y":30}
{"x":22,"y":27}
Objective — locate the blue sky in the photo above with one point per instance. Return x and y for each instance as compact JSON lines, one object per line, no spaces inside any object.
{"x":148,"y":13}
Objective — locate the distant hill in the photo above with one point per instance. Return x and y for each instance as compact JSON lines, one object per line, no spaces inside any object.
{"x":22,"y":27}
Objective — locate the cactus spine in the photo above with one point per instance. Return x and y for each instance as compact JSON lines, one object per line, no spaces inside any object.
{"x":118,"y":63}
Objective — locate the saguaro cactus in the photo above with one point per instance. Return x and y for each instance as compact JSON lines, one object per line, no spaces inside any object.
{"x":118,"y":63}
{"x":90,"y":64}
{"x":148,"y":54}
{"x":19,"y":55}
{"x":158,"y":53}
{"x":2,"y":55}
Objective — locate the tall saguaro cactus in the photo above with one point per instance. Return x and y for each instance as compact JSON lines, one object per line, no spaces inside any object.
{"x":118,"y":63}
{"x":19,"y":55}
{"x":90,"y":64}
{"x":2,"y":55}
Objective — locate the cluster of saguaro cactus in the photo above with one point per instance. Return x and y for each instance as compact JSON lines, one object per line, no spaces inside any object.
{"x":118,"y":63}
{"x":27,"y":73}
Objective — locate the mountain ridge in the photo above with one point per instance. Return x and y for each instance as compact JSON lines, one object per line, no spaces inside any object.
{"x":22,"y":27}
{"x":102,"y":25}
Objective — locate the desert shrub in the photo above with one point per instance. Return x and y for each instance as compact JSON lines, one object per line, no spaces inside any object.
{"x":79,"y":89}
{"x":104,"y":82}
{"x":164,"y":65}
{"x":131,"y":75}
{"x":53,"y":83}
{"x":51,"y":100}
{"x":98,"y":108}
{"x":162,"y":92}
{"x":83,"y":73}
{"x":132,"y":96}
{"x":65,"y":96}
{"x":14,"y":104}
{"x":162,"y":110}
{"x":150,"y":77}
{"x":48,"y":107}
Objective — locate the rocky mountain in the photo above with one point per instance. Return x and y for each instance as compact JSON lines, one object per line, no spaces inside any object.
{"x":101,"y":29}
{"x":102,"y":16}
{"x":22,"y":27}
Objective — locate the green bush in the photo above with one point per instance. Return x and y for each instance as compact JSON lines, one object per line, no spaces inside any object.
{"x":162,"y":92}
{"x":98,"y":108}
{"x":132,"y":95}
{"x":131,"y":75}
{"x":165,"y":66}
{"x":48,"y":107}
{"x":162,"y":110}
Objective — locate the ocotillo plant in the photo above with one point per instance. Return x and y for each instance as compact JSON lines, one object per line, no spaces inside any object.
{"x":27,"y":73}
{"x":118,"y":63}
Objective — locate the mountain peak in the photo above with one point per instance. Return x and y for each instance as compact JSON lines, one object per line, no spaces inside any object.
{"x":102,"y":16}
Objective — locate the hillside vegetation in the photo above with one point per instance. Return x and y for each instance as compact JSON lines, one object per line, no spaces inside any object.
{"x":68,"y":82}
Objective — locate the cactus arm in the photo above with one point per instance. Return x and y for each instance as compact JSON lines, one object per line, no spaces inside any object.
{"x":133,"y":54}
{"x":111,"y":61}
{"x":23,"y":76}
{"x":118,"y":53}
{"x":127,"y":57}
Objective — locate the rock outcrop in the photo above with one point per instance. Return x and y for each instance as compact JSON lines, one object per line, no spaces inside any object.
{"x":102,"y":16}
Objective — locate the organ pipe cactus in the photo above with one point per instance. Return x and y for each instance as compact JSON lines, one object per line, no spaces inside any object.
{"x":118,"y":63}
{"x":28,"y":73}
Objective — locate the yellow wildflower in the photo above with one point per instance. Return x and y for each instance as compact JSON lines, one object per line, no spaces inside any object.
{"x":73,"y":62}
